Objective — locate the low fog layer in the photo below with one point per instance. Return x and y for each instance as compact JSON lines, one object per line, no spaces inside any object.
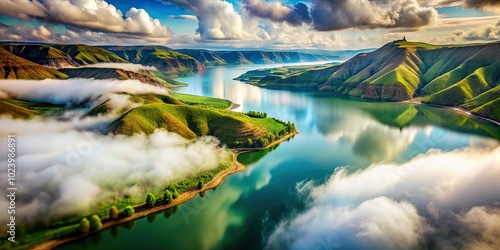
{"x":436,"y":200}
{"x":75,"y":90}
{"x":64,"y":168}
{"x":124,"y":66}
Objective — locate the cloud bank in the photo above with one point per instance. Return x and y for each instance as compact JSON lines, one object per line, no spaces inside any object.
{"x":69,"y":172}
{"x":439,"y":200}
{"x":124,"y":66}
{"x":76,"y":90}
{"x":67,"y":168}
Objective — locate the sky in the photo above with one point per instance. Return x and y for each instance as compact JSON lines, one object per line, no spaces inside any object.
{"x":250,"y":24}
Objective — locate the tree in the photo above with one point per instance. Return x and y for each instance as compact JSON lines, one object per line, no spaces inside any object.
{"x":84,"y":226}
{"x":95,"y":222}
{"x":113,"y":212}
{"x":167,"y":197}
{"x":129,"y":211}
{"x":249,"y":142}
{"x":175,"y":194}
{"x":200,"y":184}
{"x":151,"y":200}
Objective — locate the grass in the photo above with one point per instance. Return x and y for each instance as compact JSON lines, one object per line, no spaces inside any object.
{"x":231,"y":128}
{"x":26,"y":109}
{"x":202,"y":100}
{"x":15,"y":67}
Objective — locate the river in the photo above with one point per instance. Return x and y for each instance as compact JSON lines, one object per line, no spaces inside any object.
{"x":334,"y":132}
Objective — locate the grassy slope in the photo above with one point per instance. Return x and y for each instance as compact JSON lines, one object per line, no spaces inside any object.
{"x":15,"y":67}
{"x":451,"y":75}
{"x":231,"y":128}
{"x":85,"y":55}
{"x":202,"y":100}
{"x":26,"y":109}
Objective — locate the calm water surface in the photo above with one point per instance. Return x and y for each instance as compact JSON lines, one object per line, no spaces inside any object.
{"x":334,"y":132}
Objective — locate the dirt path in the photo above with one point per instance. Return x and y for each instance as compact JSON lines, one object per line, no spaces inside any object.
{"x":142,"y":210}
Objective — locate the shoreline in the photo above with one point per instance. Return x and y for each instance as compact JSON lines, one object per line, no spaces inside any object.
{"x":185,"y":196}
{"x":461,"y":110}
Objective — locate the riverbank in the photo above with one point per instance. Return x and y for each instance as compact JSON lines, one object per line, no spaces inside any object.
{"x":458,"y":109}
{"x":143,"y":211}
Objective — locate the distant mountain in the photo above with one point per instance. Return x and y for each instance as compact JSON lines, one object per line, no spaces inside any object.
{"x":163,"y":58}
{"x":214,"y":58}
{"x":110,"y":73}
{"x":15,"y":67}
{"x":455,"y":75}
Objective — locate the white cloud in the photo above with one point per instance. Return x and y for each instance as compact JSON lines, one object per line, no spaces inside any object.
{"x":217,"y":19}
{"x":407,"y":205}
{"x":96,"y":15}
{"x":124,"y":66}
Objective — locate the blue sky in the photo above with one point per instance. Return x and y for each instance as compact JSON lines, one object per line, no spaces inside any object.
{"x":243,"y":24}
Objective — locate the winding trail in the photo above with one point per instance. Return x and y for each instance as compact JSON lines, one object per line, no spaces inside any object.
{"x":142,"y":210}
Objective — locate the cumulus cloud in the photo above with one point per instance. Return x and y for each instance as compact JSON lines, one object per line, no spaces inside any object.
{"x":75,"y":90}
{"x":124,"y":66}
{"x":447,"y":200}
{"x":336,"y":15}
{"x":217,"y":19}
{"x":327,"y":15}
{"x":277,"y":12}
{"x":95,"y":15}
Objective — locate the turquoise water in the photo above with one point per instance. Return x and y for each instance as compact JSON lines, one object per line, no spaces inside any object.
{"x":334,"y":132}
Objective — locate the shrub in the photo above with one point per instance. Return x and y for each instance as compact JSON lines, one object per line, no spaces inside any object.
{"x":150,"y":200}
{"x":167,"y":197}
{"x":84,"y":226}
{"x":249,"y":142}
{"x":113,"y":212}
{"x":200,"y":184}
{"x":129,"y":211}
{"x":256,"y":114}
{"x":95,"y":222}
{"x":175,"y":194}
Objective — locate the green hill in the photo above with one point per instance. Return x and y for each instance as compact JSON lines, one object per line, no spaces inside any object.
{"x":452,"y":75}
{"x":15,"y":67}
{"x":111,"y":73}
{"x":86,"y":55}
{"x":163,"y":58}
{"x":42,"y":54}
{"x":215,"y":58}
{"x":231,"y":128}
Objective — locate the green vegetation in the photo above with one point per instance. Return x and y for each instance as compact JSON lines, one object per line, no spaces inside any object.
{"x":150,"y":200}
{"x":167,"y":197}
{"x":15,"y":67}
{"x":203,"y":101}
{"x":84,"y":226}
{"x":200,"y":184}
{"x":463,"y":75}
{"x":26,"y":109}
{"x":128,"y":211}
{"x":95,"y":223}
{"x":113,"y":212}
{"x":256,"y":114}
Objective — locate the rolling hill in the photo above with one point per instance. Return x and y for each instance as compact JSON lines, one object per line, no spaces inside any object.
{"x":203,"y":116}
{"x":163,"y":58}
{"x":15,"y":67}
{"x":452,"y":75}
{"x":215,"y":58}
